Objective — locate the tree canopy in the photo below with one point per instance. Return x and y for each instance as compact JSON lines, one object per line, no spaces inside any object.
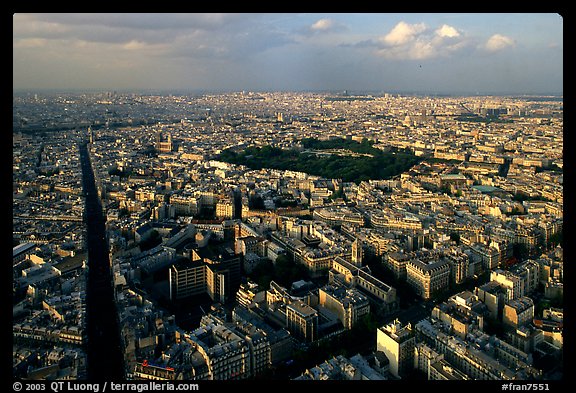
{"x":284,"y":271}
{"x":374,"y":164}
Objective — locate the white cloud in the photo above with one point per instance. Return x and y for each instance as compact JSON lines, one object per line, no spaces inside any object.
{"x":322,"y":24}
{"x":403,"y":33}
{"x":498,"y":42}
{"x":417,"y":42}
{"x":422,"y":50}
{"x":447,"y":31}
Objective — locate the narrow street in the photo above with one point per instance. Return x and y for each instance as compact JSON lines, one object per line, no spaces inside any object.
{"x":105,"y":358}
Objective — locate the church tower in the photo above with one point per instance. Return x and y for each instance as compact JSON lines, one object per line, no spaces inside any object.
{"x":357,"y":252}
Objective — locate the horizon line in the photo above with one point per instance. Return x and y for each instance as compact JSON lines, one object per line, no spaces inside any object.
{"x":327,"y":91}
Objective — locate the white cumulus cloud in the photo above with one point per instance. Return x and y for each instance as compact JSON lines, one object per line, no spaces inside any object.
{"x":498,"y":42}
{"x":447,"y":31}
{"x":417,"y":42}
{"x":403,"y":33}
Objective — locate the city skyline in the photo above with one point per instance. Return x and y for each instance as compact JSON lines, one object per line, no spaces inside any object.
{"x":425,"y":53}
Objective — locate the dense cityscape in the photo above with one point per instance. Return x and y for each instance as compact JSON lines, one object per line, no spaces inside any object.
{"x":339,"y":235}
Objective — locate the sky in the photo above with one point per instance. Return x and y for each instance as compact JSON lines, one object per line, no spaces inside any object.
{"x":426,"y":53}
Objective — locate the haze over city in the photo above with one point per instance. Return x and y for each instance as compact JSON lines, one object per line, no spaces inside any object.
{"x":427,"y":53}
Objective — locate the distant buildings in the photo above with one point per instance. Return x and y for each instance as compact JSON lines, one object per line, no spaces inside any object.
{"x":338,"y":216}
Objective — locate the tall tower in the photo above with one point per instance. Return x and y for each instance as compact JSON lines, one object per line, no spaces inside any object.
{"x":357,"y":252}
